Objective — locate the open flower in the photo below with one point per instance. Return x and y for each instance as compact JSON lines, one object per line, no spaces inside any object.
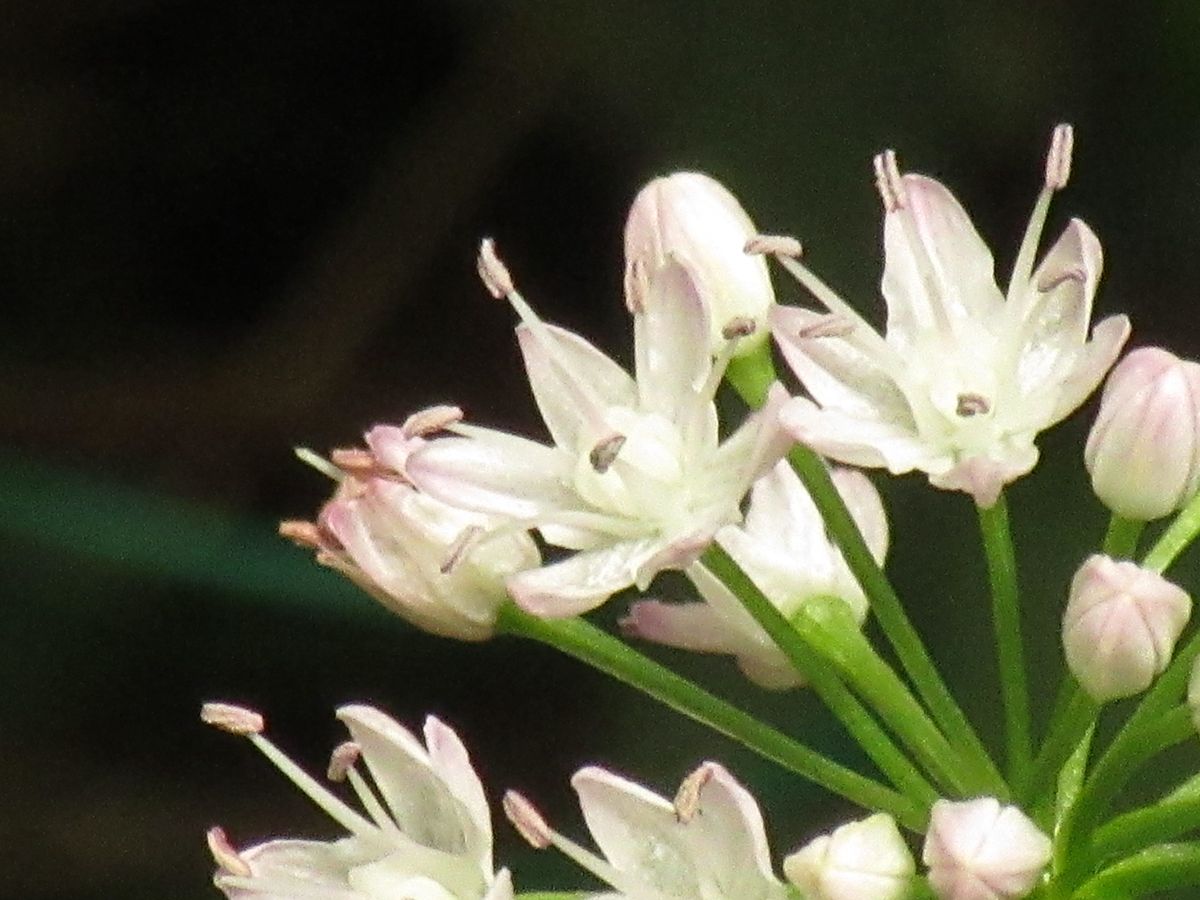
{"x":785,"y":550}
{"x":636,"y":479}
{"x":965,"y":378}
{"x":708,"y":845}
{"x":427,"y":834}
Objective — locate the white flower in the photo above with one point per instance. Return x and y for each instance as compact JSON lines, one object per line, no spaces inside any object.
{"x":636,"y":479}
{"x":1143,"y":451}
{"x":965,"y":379}
{"x":691,"y":219}
{"x":784,"y":549}
{"x":1120,"y":626}
{"x":707,"y":845}
{"x":864,"y":860}
{"x":980,"y":850}
{"x":441,"y":568}
{"x":427,"y":834}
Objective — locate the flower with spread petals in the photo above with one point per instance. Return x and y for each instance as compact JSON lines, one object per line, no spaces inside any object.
{"x":1120,"y":626}
{"x":1143,"y":451}
{"x":864,"y":860}
{"x":965,"y":378}
{"x":785,"y":550}
{"x":692,"y":220}
{"x":708,"y":845}
{"x":980,"y":850}
{"x":426,"y":835}
{"x":636,"y":479}
{"x":441,"y":568}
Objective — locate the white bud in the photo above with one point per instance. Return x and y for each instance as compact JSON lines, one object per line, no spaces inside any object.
{"x":691,"y":219}
{"x":1143,"y":451}
{"x":1120,"y":626}
{"x":980,"y":850}
{"x":864,"y":860}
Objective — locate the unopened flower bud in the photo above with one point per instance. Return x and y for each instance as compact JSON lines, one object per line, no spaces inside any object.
{"x":691,"y":219}
{"x":1120,"y":626}
{"x":980,"y":850}
{"x":864,"y":860}
{"x":1143,"y":451}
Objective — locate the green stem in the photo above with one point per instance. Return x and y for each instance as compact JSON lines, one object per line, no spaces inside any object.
{"x":1165,"y":820}
{"x":1006,"y":617}
{"x":1079,"y":713}
{"x":1121,"y":539}
{"x":752,"y":374}
{"x":889,"y":611}
{"x":589,"y":644}
{"x":1157,"y":868}
{"x":1175,"y":539}
{"x":807,"y":646}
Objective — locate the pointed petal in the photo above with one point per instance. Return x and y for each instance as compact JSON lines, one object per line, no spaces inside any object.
{"x":285,"y":869}
{"x":671,"y":338}
{"x":857,"y":442}
{"x":452,"y":765}
{"x":1108,"y":337}
{"x":866,"y":508}
{"x":502,"y":887}
{"x":983,"y":477}
{"x":687,"y":626}
{"x":728,"y":838}
{"x":750,"y":452}
{"x":583,"y":581}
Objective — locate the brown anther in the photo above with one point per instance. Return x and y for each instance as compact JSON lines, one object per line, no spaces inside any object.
{"x":773,"y":245}
{"x":301,"y":533}
{"x":355,"y":461}
{"x":1058,"y":159}
{"x":687,"y":798}
{"x":234,"y":719}
{"x":1050,"y":281}
{"x":492,"y":271}
{"x":972,"y":405}
{"x":224,"y":854}
{"x":342,"y":760}
{"x":827,"y":326}
{"x":637,"y":287}
{"x":462,"y":546}
{"x":739,"y":327}
{"x":430,"y":420}
{"x":527,"y":820}
{"x":604,"y":454}
{"x":888,"y":181}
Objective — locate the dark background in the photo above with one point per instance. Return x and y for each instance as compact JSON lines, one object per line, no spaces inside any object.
{"x":229,"y":228}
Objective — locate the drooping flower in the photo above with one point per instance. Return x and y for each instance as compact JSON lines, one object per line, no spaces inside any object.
{"x":863,"y":860}
{"x":708,"y":845}
{"x":980,"y":850}
{"x":637,"y":479}
{"x":1143,"y":451}
{"x":1120,"y":626}
{"x":785,"y":550}
{"x":426,"y":835}
{"x":964,"y":379}
{"x":692,"y":220}
{"x":440,"y":567}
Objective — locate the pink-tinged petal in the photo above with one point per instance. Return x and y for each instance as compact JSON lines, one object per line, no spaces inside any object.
{"x":837,"y":370}
{"x":727,"y":836}
{"x":781,"y":513}
{"x":452,"y":765}
{"x":1097,"y":357}
{"x":750,"y":452}
{"x":686,"y":626}
{"x":854,"y":441}
{"x":937,"y":267}
{"x":572,"y":383}
{"x":671,"y":343}
{"x":866,"y":508}
{"x":285,"y":869}
{"x":356,"y":527}
{"x":391,"y":446}
{"x":495,"y":473}
{"x":984,"y":477}
{"x":583,"y":581}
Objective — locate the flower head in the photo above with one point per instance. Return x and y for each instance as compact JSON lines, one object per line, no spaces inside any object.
{"x":1120,"y":626}
{"x":709,"y":844}
{"x":980,"y":850}
{"x":864,"y":860}
{"x":1143,"y":451}
{"x":785,"y":550}
{"x":426,"y":835}
{"x":692,"y":220}
{"x":964,"y":379}
{"x":636,"y":479}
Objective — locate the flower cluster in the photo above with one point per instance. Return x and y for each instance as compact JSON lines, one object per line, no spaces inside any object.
{"x":468,"y":531}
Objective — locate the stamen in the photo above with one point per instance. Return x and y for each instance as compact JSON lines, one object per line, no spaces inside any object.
{"x":1049,"y":282}
{"x":739,"y":327}
{"x":355,"y":461}
{"x":828,"y":326}
{"x":342,"y":760}
{"x":1058,"y":159}
{"x":224,"y":854}
{"x":604,"y":454}
{"x":888,"y":181}
{"x":687,"y":798}
{"x":430,"y":420}
{"x":527,"y":820}
{"x":301,"y":533}
{"x":318,"y":462}
{"x":972,"y":405}
{"x":773,"y":245}
{"x":234,"y":719}
{"x":459,"y":550}
{"x":492,"y":272}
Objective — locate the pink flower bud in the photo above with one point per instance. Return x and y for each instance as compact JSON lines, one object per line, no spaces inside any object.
{"x":1144,"y":449}
{"x":864,"y":860}
{"x":691,"y":219}
{"x":980,"y":850}
{"x":1120,"y":626}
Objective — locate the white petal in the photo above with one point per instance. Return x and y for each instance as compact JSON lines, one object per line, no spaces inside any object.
{"x":502,"y":887}
{"x":857,"y":442}
{"x":750,"y":452}
{"x":983,"y":477}
{"x":452,"y":765}
{"x":1108,"y":337}
{"x":582,"y":581}
{"x":687,"y":626}
{"x":671,"y":340}
{"x":866,"y":508}
{"x":285,"y":869}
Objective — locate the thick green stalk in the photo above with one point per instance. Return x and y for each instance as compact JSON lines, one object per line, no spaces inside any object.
{"x":1121,"y":539}
{"x":1164,"y":820}
{"x":1078,"y":715}
{"x":589,"y":644}
{"x":807,"y":647}
{"x":1010,"y":649}
{"x":1159,"y":868}
{"x":1176,"y":538}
